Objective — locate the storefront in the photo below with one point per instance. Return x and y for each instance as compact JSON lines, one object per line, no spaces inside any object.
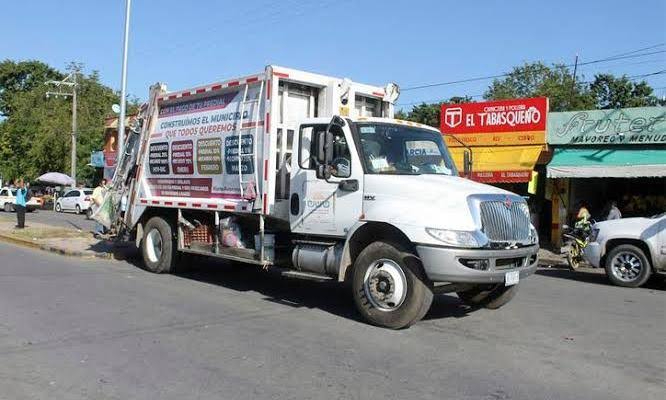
{"x":506,"y":139}
{"x":600,"y":156}
{"x":111,"y":145}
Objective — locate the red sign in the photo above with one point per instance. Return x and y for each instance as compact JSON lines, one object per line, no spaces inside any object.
{"x":518,"y":115}
{"x":181,"y":157}
{"x":501,"y":176}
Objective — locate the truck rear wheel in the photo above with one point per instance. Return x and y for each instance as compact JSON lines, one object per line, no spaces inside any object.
{"x":388,"y":290}
{"x":158,"y":246}
{"x":488,"y":296}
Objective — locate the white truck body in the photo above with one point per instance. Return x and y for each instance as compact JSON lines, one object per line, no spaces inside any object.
{"x":330,"y":175}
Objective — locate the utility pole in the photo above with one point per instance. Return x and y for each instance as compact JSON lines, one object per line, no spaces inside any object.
{"x":69,"y":82}
{"x":573,"y":82}
{"x":74,"y":130}
{"x":123,"y":86}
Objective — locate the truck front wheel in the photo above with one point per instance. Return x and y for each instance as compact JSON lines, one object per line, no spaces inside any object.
{"x":488,"y":296}
{"x":158,"y":246}
{"x":388,"y":290}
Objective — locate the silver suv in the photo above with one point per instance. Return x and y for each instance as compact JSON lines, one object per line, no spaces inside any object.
{"x":630,"y":249}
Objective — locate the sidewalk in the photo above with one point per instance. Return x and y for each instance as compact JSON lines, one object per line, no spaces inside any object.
{"x":65,"y":241}
{"x":549,"y":258}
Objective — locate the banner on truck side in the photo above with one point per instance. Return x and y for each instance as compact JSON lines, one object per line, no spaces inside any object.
{"x":496,"y":123}
{"x":194,"y":149}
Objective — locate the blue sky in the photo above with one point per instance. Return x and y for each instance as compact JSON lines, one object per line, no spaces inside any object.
{"x":184,"y":43}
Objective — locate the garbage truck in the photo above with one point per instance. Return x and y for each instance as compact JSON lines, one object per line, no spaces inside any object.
{"x":311,"y":176}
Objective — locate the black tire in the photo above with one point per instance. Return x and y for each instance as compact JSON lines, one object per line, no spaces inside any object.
{"x":573,"y":262}
{"x":78,"y":209}
{"x":417,"y":295}
{"x":9,"y":207}
{"x":58,"y":207}
{"x":633,"y":253}
{"x":165,"y":261}
{"x":488,"y":296}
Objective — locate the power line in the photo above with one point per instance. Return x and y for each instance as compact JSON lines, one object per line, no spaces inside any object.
{"x":440,"y":100}
{"x":639,"y":50}
{"x":481,"y":78}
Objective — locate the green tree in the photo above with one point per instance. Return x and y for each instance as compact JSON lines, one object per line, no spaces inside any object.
{"x":428,"y":114}
{"x":22,"y":76}
{"x":35,"y":136}
{"x":610,"y":91}
{"x":539,"y":80}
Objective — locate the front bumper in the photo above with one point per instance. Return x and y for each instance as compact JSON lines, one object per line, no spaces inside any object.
{"x":444,"y":264}
{"x":592,"y":254}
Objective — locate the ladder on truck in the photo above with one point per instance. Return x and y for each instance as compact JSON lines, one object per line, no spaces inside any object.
{"x":254,"y":123}
{"x":148,"y":116}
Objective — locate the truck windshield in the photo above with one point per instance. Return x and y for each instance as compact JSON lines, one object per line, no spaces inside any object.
{"x":404,"y":150}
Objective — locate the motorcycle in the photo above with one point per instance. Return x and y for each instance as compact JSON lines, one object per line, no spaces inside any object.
{"x":576,"y":238}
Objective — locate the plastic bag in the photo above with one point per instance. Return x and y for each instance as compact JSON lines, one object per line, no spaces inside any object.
{"x":231,"y":235}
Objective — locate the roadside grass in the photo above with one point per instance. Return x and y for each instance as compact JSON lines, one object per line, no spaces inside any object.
{"x":38,"y":233}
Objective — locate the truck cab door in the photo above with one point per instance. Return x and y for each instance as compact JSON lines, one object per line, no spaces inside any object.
{"x":325,"y":206}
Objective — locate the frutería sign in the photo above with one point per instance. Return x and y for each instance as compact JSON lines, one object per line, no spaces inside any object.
{"x":641,"y":125}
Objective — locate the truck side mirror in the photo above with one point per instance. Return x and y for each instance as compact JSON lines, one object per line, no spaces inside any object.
{"x":467,"y":164}
{"x":323,"y":172}
{"x":325,"y":147}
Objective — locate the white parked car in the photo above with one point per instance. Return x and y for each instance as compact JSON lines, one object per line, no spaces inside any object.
{"x":8,"y":198}
{"x":630,"y":249}
{"x":77,"y":200}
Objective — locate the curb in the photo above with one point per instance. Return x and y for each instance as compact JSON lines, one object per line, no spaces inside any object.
{"x":53,"y":249}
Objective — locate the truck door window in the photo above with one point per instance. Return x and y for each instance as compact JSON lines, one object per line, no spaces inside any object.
{"x":341,"y":155}
{"x":308,"y":148}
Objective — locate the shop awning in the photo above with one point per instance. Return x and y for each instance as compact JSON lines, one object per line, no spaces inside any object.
{"x":598,"y":163}
{"x":499,"y":164}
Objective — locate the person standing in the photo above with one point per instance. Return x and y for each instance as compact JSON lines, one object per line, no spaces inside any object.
{"x":614,"y":212}
{"x":98,"y":198}
{"x":20,"y":201}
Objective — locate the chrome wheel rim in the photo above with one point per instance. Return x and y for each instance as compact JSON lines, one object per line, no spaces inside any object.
{"x":626,"y":266}
{"x":154,"y":245}
{"x":385,"y":285}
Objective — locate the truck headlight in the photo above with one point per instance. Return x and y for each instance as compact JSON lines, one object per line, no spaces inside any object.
{"x":534,"y":235}
{"x":454,"y":238}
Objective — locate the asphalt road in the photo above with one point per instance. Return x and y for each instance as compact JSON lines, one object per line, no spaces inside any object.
{"x":80,"y":329}
{"x":49,"y":217}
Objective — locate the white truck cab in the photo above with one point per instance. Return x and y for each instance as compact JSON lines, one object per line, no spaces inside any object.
{"x":321,"y":184}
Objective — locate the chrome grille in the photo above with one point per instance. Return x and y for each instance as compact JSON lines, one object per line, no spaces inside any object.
{"x":504,"y":221}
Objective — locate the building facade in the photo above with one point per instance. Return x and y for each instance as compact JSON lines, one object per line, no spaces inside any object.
{"x":603,"y":156}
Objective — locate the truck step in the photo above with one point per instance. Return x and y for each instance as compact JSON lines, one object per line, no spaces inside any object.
{"x":314,"y":242}
{"x":311,"y":276}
